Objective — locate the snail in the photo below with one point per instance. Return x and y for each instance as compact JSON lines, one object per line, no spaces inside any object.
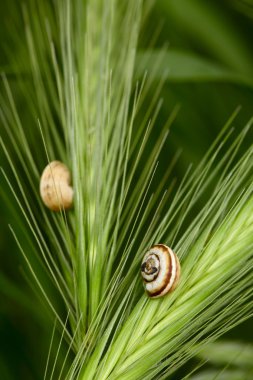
{"x":160,"y":270}
{"x":55,"y":189}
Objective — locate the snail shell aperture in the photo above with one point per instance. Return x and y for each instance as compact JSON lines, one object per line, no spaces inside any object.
{"x":55,"y":189}
{"x":160,"y":270}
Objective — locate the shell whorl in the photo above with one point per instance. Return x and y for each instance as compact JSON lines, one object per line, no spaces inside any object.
{"x":160,"y":270}
{"x":55,"y":186}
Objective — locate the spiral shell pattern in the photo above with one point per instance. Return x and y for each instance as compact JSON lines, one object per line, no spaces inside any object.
{"x":160,"y":270}
{"x":55,"y":186}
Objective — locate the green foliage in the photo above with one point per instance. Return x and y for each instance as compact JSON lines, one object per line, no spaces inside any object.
{"x":87,"y":89}
{"x":233,"y":358}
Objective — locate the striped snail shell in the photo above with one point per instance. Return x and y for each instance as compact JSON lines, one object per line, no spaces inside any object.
{"x":55,"y":189}
{"x":160,"y":270}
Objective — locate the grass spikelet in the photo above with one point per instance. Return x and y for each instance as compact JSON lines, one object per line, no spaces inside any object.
{"x":87,"y":110}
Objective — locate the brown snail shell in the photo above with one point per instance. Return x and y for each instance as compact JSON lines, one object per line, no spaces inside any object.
{"x":55,"y":186}
{"x":160,"y":270}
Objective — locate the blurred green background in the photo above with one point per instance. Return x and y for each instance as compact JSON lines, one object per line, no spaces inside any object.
{"x":209,"y":65}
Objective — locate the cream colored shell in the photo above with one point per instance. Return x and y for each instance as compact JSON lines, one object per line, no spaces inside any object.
{"x":160,"y":270}
{"x":55,"y":186}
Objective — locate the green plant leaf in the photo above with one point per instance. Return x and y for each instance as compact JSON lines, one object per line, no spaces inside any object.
{"x":181,"y":66}
{"x":211,"y":27}
{"x":228,"y":352}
